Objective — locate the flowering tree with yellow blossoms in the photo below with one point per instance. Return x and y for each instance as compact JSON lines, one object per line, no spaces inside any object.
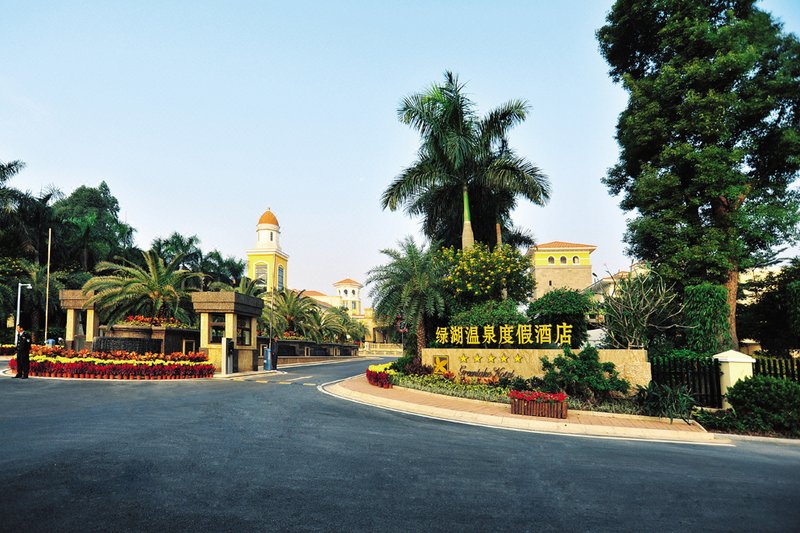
{"x":478,"y":274}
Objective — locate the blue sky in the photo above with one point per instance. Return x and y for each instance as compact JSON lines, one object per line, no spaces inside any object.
{"x":200,"y":115}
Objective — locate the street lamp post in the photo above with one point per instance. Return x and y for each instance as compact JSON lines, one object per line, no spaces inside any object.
{"x":16,"y":317}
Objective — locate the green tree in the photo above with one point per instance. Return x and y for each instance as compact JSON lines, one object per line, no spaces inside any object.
{"x":641,"y":307}
{"x":36,"y":299}
{"x":479,"y":274}
{"x":290,"y":312}
{"x":710,"y":142}
{"x":409,"y":285}
{"x":157,"y":290}
{"x":246,"y":286}
{"x":563,"y":306}
{"x":706,"y":316}
{"x":91,"y":225}
{"x":772,"y":315}
{"x":177,"y":246}
{"x":463,"y":156}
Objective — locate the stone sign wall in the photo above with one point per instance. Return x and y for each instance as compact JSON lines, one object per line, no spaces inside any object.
{"x":631,"y":364}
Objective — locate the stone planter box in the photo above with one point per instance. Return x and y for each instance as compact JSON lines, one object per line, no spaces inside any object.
{"x":543,"y":408}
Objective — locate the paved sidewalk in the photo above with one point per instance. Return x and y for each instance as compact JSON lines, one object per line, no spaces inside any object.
{"x":499,"y":415}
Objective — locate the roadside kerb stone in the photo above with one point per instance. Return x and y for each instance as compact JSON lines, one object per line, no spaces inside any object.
{"x":417,"y":403}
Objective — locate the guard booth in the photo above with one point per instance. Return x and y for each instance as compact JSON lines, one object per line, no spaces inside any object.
{"x":228,"y":315}
{"x":74,"y":302}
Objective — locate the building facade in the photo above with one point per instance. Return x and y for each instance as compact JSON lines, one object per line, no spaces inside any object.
{"x":558,"y":265}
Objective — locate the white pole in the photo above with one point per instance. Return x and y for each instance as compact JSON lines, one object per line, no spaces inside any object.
{"x":47,"y":293}
{"x":16,"y":318}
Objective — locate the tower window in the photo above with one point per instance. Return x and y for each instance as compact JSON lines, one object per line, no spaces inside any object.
{"x":563,"y":260}
{"x":261,"y":273}
{"x":345,"y":292}
{"x":270,"y":236}
{"x":280,"y":278}
{"x":551,"y":260}
{"x":576,"y":260}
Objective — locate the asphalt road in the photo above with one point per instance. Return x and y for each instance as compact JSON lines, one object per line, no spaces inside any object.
{"x":276,"y":456}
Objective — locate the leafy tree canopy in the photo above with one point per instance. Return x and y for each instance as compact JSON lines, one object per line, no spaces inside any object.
{"x":710,"y":139}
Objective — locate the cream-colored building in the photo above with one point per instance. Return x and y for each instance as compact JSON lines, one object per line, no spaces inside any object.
{"x":558,"y":265}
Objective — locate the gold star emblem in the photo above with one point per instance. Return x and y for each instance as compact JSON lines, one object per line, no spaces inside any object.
{"x":491,"y":359}
{"x":477,"y":358}
{"x":504,"y":359}
{"x":463,"y":358}
{"x":517,"y":358}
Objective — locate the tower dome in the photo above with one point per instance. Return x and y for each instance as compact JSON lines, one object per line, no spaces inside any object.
{"x":268,"y":218}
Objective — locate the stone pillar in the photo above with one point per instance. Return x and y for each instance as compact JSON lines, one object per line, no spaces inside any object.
{"x":734,"y":366}
{"x":73,"y":302}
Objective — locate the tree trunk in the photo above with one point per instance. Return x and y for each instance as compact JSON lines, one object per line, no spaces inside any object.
{"x":420,"y":336}
{"x":499,"y":231}
{"x":732,"y":284}
{"x":467,"y":237}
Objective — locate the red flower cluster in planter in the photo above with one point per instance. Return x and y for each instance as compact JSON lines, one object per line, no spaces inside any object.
{"x":120,"y":365}
{"x":379,"y":379}
{"x":538,"y":403}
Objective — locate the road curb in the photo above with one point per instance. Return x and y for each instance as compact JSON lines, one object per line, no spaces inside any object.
{"x":519,"y":424}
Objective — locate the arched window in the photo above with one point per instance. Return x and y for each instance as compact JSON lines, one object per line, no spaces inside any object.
{"x":551,"y":260}
{"x":563,"y":260}
{"x":280,"y":278}
{"x":345,"y":292}
{"x":261,"y":273}
{"x":576,"y":260}
{"x":270,"y":236}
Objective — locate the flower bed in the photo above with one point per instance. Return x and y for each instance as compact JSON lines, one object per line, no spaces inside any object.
{"x":139,"y":320}
{"x":537,"y":403}
{"x":379,"y":375}
{"x":117,"y":365}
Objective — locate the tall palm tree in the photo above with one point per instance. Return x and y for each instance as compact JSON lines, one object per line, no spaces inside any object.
{"x":157,"y":289}
{"x":409,"y":285}
{"x":463,"y":157}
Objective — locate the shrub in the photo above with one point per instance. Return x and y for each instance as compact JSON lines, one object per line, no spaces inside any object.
{"x":662,"y":400}
{"x":411,"y":365}
{"x":767,"y":404}
{"x":583,"y":375}
{"x":563,"y":306}
{"x":641,"y":312}
{"x":706,"y":315}
{"x":441,"y":385}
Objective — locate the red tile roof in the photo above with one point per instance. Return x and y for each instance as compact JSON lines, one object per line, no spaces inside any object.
{"x":561,"y":245}
{"x":347,"y":281}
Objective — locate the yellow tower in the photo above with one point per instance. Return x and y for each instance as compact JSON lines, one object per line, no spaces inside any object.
{"x":266,"y":262}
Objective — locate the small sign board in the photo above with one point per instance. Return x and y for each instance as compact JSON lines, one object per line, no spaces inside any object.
{"x":441,"y":364}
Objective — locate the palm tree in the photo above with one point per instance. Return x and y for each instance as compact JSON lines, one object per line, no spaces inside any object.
{"x":289,"y":311}
{"x":463,"y":157}
{"x":183,"y":248}
{"x":157,"y":289}
{"x":246,"y":286}
{"x":409,"y":285}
